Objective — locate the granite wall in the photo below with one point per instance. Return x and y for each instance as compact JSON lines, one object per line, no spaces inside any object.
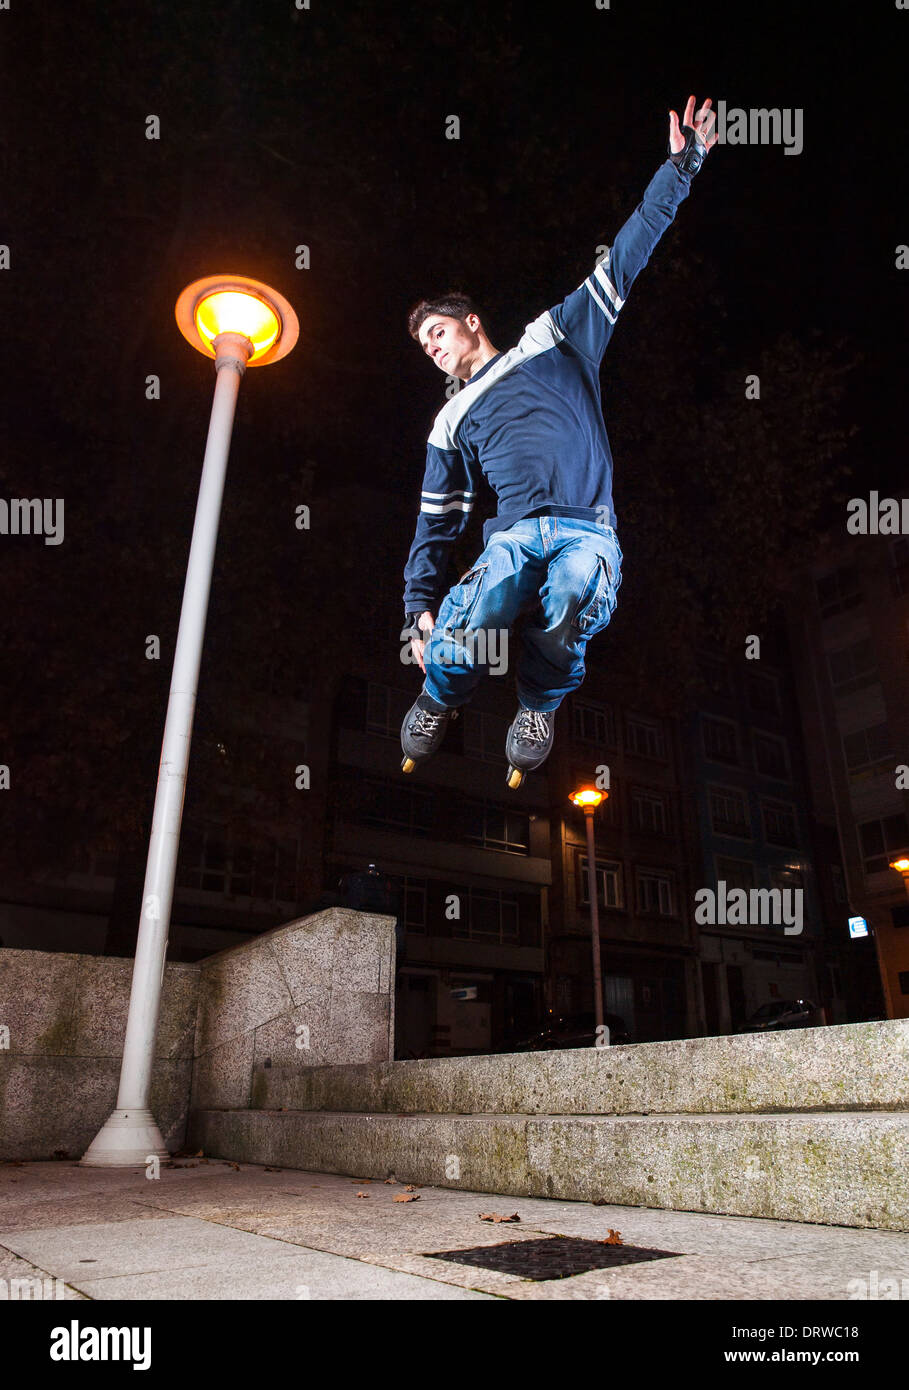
{"x":60,"y":1059}
{"x":315,"y":991}
{"x":311,"y":993}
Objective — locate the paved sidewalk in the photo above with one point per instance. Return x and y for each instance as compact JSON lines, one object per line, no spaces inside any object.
{"x":210,"y":1229}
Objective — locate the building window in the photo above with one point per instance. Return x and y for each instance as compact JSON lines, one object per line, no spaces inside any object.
{"x":608,"y":879}
{"x":721,"y":743}
{"x":648,"y":812}
{"x":265,"y":869}
{"x":735,"y":873}
{"x":592,"y":723}
{"x":779,"y":823}
{"x":491,"y":916}
{"x":644,"y":737}
{"x":389,"y":806}
{"x":484,"y":734}
{"x":771,"y":756}
{"x":494,"y":827}
{"x":787,"y":876}
{"x":655,"y":894}
{"x":852,"y":667}
{"x":838,"y":591}
{"x":883,"y":840}
{"x":763,"y":692}
{"x":867,"y":746}
{"x":413,"y":903}
{"x":729,"y":813}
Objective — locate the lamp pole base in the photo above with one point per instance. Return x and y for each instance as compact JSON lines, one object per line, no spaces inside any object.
{"x":129,"y":1138}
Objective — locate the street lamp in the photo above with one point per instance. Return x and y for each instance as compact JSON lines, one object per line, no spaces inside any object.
{"x":588,"y":799}
{"x":239,"y":323}
{"x":902,"y":867}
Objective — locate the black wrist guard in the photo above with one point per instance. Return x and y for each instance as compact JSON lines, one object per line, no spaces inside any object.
{"x":689,"y":159}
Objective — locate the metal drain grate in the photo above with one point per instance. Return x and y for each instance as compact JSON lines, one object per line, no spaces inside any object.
{"x":553,"y":1257}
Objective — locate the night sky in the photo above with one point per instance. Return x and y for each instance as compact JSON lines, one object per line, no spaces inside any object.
{"x":326,"y":127}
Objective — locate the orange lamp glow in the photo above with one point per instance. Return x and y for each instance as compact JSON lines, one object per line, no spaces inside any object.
{"x":236,"y":304}
{"x":229,"y":311}
{"x":902,"y":865}
{"x":588,"y":797}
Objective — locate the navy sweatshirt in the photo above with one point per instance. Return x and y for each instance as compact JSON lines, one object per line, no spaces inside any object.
{"x":531,"y":419}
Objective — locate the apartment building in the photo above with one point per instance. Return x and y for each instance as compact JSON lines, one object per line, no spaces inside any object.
{"x":755,"y":831}
{"x":849,"y":627}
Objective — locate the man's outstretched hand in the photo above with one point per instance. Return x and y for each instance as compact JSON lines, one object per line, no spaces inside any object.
{"x":702,"y":123}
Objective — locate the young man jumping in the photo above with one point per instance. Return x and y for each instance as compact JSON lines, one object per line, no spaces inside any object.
{"x":531,"y":421}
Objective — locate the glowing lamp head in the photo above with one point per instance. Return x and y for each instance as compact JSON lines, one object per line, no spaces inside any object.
{"x":230,"y":311}
{"x":901,"y":865}
{"x":587,"y":798}
{"x":236,"y":304}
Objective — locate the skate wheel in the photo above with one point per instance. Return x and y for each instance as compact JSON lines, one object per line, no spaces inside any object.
{"x":408,"y":765}
{"x":515,"y":777}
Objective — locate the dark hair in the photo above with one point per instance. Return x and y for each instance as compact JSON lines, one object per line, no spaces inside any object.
{"x":453,"y":304}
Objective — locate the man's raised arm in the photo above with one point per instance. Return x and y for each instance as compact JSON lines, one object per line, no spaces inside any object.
{"x":588,"y":316}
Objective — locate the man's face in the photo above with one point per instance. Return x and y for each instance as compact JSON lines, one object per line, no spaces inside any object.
{"x":451,"y":344}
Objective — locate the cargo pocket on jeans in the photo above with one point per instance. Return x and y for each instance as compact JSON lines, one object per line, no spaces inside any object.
{"x":597,"y":603}
{"x":463,"y":596}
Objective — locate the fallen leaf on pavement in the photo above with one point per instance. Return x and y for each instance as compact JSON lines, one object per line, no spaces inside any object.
{"x":272,"y":1170}
{"x":364,"y":1194}
{"x":391,"y":1180}
{"x":614,"y":1238}
{"x":407,"y":1197}
{"x":494,"y":1216}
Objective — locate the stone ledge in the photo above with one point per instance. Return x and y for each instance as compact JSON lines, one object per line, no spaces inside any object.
{"x":852,"y":1067}
{"x":840,"y":1169}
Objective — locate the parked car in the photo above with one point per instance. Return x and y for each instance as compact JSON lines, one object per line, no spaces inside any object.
{"x":573,"y":1030}
{"x":784,"y":1013}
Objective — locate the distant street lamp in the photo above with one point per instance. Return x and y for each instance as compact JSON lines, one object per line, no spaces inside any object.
{"x":902,"y":867}
{"x":240,"y":323}
{"x":588,"y":799}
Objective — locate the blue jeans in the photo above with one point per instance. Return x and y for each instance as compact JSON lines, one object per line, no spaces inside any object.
{"x":565,"y":571}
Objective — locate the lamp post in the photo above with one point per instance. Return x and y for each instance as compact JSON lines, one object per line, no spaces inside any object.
{"x":588,"y":799}
{"x":239,"y":323}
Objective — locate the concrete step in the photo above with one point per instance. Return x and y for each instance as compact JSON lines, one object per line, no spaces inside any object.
{"x":851,"y":1067}
{"x":844,"y":1169}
